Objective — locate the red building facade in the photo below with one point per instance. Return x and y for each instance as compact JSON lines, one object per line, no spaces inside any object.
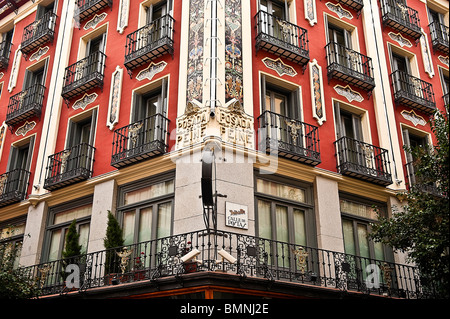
{"x":109,"y":106}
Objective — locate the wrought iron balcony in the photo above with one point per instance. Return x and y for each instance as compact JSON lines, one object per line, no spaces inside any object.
{"x":38,"y":33}
{"x":86,"y":74}
{"x":86,"y":8}
{"x":13,"y":186}
{"x":401,"y":18}
{"x":349,"y":66}
{"x":413,"y":92}
{"x":413,"y":181}
{"x":5,"y":48}
{"x":439,"y":36}
{"x":363,"y":161}
{"x":140,"y":140}
{"x":314,"y":270}
{"x":289,"y":138}
{"x":281,"y":38}
{"x":69,"y":166}
{"x":356,"y":5}
{"x":149,"y":42}
{"x":25,"y":104}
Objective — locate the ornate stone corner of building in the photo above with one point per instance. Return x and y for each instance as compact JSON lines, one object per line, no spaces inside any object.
{"x":25,"y":128}
{"x":114,"y":98}
{"x":310,"y":11}
{"x":348,"y":93}
{"x":122,"y":19}
{"x":84,"y":101}
{"x":341,"y":12}
{"x":413,"y":118}
{"x":93,"y":23}
{"x":151,"y":71}
{"x":39,"y":53}
{"x":279,"y":66}
{"x":317,"y":95}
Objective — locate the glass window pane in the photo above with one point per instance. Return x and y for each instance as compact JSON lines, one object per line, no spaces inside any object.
{"x":11,"y":231}
{"x":84,"y":237}
{"x":128,"y":227}
{"x":264,"y":220}
{"x":379,"y":253}
{"x":363,"y":241}
{"x":299,"y":227}
{"x":145,"y":224}
{"x":282,"y":236}
{"x":72,"y":214}
{"x":164,"y":220}
{"x":349,"y":241}
{"x":149,"y":192}
{"x":280,"y":190}
{"x":358,"y":209}
{"x":55,"y":242}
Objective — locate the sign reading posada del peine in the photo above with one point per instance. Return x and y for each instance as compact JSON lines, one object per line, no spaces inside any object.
{"x":236,"y":126}
{"x":191,"y":126}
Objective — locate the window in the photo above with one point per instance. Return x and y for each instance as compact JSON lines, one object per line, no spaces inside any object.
{"x":20,"y":155}
{"x":445,"y":83}
{"x":357,"y":214}
{"x":6,"y":43}
{"x":284,"y":214}
{"x":11,"y":239}
{"x":280,"y":98}
{"x":348,"y":124}
{"x":413,"y":139}
{"x":59,"y":220}
{"x":145,"y":210}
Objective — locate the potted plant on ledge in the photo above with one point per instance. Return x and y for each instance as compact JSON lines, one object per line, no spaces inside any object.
{"x":112,"y":242}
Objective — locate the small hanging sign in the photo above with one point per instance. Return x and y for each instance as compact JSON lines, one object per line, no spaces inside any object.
{"x":236,"y":215}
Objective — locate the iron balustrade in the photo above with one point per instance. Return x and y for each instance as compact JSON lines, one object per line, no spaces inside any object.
{"x":84,"y":75}
{"x":13,"y":186}
{"x":38,"y":32}
{"x":289,"y":138}
{"x":86,"y":8}
{"x":401,"y":18}
{"x":140,"y":140}
{"x":251,"y":257}
{"x":5,"y":48}
{"x":282,"y":38}
{"x":69,"y":166}
{"x":25,"y":104}
{"x":349,"y":66}
{"x":356,"y":5}
{"x":413,"y":92}
{"x":363,"y":161}
{"x":149,"y":42}
{"x":439,"y":36}
{"x":420,"y":183}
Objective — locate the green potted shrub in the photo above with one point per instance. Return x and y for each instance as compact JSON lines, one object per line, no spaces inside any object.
{"x":113,"y":239}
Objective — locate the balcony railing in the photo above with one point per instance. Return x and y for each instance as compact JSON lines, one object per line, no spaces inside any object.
{"x":84,"y":75}
{"x":289,"y":138}
{"x":356,"y":5}
{"x":13,"y":186}
{"x":413,"y":92}
{"x":310,"y":268}
{"x":401,"y":18}
{"x":87,"y":8}
{"x":418,"y":182}
{"x":363,"y":161}
{"x":5,"y":48}
{"x":281,"y":38}
{"x":349,"y":66}
{"x":149,"y":42}
{"x":69,"y":166}
{"x":140,"y":140}
{"x":25,"y":104}
{"x":38,"y":33}
{"x":439,"y":36}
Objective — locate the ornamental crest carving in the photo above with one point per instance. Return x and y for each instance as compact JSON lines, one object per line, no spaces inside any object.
{"x":24,"y":129}
{"x":84,"y":101}
{"x":348,"y":93}
{"x":341,"y":12}
{"x":444,"y":60}
{"x":317,"y":96}
{"x":310,"y":11}
{"x":400,"y":39}
{"x":114,"y":98}
{"x":92,"y":24}
{"x":413,"y":118}
{"x":122,"y":20}
{"x":279,"y":66}
{"x":151,"y":71}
